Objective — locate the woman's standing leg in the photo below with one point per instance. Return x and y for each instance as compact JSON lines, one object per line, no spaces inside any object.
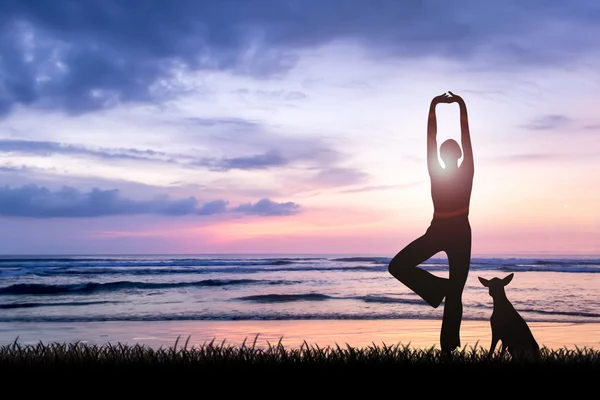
{"x":459,"y":261}
{"x":404,"y":267}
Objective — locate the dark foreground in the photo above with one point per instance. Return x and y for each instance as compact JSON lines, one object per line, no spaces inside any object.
{"x":360,"y":367}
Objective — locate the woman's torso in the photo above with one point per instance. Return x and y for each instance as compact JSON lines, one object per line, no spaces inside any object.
{"x":451,"y":194}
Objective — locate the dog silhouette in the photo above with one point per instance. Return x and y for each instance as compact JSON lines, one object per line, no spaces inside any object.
{"x":507,"y":324}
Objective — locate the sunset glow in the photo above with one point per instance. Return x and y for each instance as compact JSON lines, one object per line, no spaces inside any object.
{"x":279,"y":144}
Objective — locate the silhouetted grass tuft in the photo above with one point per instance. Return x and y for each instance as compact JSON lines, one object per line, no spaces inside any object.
{"x":219,"y":355}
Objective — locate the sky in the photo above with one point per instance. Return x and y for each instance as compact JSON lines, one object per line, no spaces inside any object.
{"x":276,"y":126}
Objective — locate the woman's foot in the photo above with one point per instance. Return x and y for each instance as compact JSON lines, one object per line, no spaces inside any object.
{"x":432,"y":289}
{"x":429,"y":287}
{"x":434,"y":295}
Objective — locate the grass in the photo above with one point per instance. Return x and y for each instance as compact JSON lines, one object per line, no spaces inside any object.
{"x":219,"y":356}
{"x":306,"y":372}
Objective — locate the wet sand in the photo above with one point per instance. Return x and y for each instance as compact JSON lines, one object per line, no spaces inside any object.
{"x":356,"y":333}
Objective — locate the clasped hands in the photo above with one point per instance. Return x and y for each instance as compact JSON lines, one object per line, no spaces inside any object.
{"x":445,"y":98}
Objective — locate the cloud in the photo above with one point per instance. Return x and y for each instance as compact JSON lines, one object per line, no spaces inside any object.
{"x":259,"y":161}
{"x":77,"y":58}
{"x":267,"y":207}
{"x":68,"y":202}
{"x":238,"y":123}
{"x":548,"y":122}
{"x":229,"y":144}
{"x":379,"y":187}
{"x":22,"y":169}
{"x":213,"y":207}
{"x":46,"y":148}
{"x":268,"y":159}
{"x":284,"y":95}
{"x":317,"y":159}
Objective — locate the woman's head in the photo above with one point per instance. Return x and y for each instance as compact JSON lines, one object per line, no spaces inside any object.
{"x":450,"y":152}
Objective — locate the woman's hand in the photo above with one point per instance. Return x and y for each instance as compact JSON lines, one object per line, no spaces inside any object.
{"x":455,"y":98}
{"x":443,"y":98}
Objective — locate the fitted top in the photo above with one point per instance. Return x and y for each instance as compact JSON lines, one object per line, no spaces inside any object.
{"x":451,"y":192}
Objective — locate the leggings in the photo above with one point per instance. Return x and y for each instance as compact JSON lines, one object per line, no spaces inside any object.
{"x":452,"y":236}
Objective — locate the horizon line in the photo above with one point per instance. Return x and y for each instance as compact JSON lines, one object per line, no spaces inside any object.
{"x":439,"y":255}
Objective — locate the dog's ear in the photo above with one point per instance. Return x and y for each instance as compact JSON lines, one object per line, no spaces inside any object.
{"x":508,"y":278}
{"x":483,"y":281}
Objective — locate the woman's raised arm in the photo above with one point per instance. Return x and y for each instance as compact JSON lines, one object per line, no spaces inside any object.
{"x":433,"y":163}
{"x":467,"y":162}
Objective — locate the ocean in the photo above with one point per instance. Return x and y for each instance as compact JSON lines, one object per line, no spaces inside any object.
{"x":80,"y":289}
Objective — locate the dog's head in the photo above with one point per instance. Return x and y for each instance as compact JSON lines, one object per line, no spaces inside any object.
{"x":496,"y":285}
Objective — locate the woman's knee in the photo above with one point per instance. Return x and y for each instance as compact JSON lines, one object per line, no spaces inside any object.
{"x":394,"y":266}
{"x":398,"y":265}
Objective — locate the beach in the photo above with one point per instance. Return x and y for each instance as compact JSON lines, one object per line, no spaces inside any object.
{"x":323,"y":300}
{"x":361,"y":333}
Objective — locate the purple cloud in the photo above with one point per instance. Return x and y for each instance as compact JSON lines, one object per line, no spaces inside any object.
{"x":266,"y":207}
{"x":63,"y":55}
{"x":40,"y":202}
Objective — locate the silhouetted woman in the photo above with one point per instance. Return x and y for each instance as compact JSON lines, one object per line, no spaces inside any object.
{"x":449,"y":230}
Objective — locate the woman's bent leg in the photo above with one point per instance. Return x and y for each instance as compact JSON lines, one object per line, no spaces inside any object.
{"x":404,"y":268}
